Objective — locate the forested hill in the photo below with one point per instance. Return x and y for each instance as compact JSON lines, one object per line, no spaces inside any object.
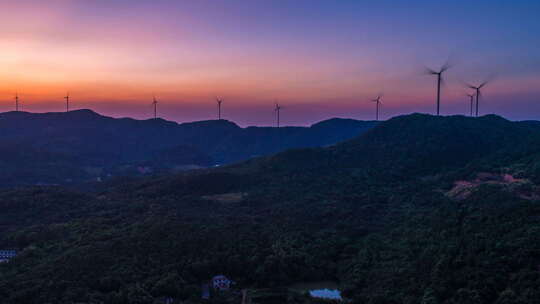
{"x":419,"y":209}
{"x":420,"y":144}
{"x":81,"y":145}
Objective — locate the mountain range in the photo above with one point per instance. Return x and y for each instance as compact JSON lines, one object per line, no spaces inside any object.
{"x":418,"y":209}
{"x":81,"y":145}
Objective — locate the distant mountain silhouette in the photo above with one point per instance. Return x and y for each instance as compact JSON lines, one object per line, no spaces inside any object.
{"x":82,"y":145}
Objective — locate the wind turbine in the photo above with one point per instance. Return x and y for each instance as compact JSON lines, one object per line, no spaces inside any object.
{"x":277,"y":109}
{"x":219,"y":101}
{"x":478,"y":93}
{"x":471,"y":96}
{"x":378,"y":102}
{"x":154,"y":103}
{"x":16,"y":101}
{"x":440,"y":80}
{"x":67,"y":101}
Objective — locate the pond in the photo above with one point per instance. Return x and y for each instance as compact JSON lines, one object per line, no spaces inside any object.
{"x":322,"y":290}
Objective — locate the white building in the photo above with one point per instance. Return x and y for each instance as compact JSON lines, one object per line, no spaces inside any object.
{"x":6,"y":255}
{"x":220,"y":282}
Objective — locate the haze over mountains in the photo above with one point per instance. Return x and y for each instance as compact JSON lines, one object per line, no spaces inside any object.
{"x":419,"y":209}
{"x":81,"y":145}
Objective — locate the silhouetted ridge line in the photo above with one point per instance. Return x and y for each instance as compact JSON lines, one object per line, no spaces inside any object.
{"x":414,"y":145}
{"x":84,"y":145}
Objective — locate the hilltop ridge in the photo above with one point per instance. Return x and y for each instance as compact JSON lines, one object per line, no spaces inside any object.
{"x":83,"y":145}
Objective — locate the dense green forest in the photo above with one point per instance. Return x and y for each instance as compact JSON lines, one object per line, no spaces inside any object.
{"x":419,"y":209}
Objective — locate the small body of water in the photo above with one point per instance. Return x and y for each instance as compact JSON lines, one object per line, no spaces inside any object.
{"x":330,"y":294}
{"x":321,"y":290}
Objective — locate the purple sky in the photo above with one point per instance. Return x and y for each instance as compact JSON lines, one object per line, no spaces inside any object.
{"x":319,"y":59}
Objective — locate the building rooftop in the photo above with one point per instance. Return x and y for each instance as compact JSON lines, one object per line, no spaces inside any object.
{"x":7,"y":253}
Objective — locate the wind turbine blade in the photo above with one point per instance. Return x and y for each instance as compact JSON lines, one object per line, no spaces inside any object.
{"x":483,"y":84}
{"x":445,"y":67}
{"x":429,"y":71}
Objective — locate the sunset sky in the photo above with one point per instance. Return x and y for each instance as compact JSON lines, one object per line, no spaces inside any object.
{"x":319,"y":59}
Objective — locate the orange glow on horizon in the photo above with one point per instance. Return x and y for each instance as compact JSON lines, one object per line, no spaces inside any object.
{"x":114,"y":56}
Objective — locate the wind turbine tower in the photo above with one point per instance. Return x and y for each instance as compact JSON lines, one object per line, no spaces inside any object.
{"x":478,"y":93}
{"x":471,"y":96}
{"x":277,"y":109}
{"x":219,"y":102}
{"x":440,"y":81}
{"x":378,"y":102}
{"x":16,"y":101}
{"x":154,"y":103}
{"x":67,"y":102}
